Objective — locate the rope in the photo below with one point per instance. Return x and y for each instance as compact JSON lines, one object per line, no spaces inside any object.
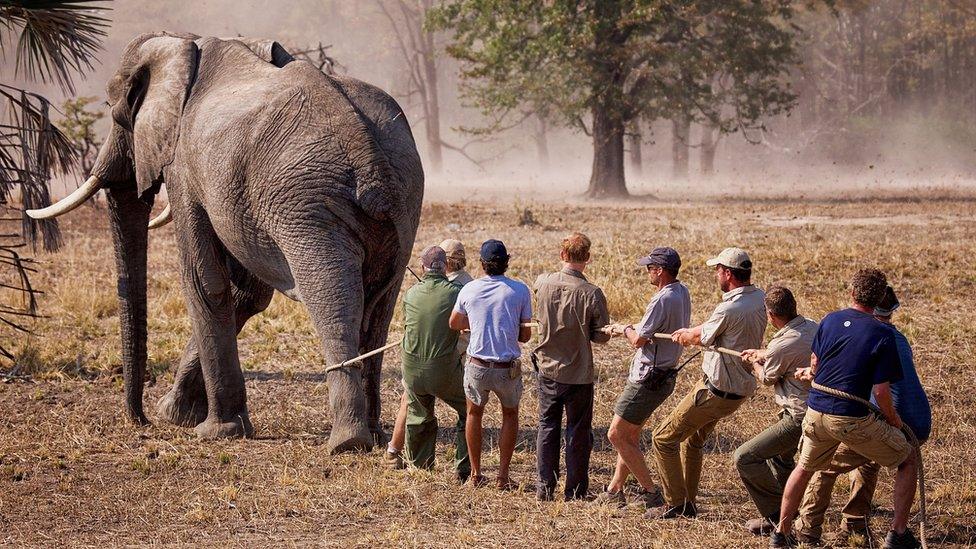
{"x":912,"y":439}
{"x":355,"y":361}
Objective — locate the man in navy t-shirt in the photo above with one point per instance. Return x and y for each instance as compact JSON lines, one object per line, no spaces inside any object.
{"x":912,"y":404}
{"x":854,"y":353}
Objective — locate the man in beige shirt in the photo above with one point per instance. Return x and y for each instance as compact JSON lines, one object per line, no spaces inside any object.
{"x":738,"y":322}
{"x":571,"y":312}
{"x":766,"y":461}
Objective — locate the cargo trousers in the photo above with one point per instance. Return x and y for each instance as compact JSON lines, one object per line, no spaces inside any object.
{"x":426,"y":381}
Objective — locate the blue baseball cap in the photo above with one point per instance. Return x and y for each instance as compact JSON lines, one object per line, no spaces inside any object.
{"x":493,"y":250}
{"x":664,"y":257}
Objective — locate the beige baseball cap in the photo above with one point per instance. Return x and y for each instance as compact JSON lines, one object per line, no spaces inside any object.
{"x":453,"y":248}
{"x":734,"y":258}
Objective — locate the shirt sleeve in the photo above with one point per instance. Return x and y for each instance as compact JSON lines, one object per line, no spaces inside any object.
{"x":887,"y":363}
{"x":777,"y":358}
{"x":599,"y":317}
{"x":526,"y":314}
{"x":715,"y":325}
{"x":653,"y":319}
{"x":459,"y":305}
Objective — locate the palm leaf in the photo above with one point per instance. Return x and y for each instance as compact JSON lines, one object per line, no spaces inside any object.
{"x":57,"y":38}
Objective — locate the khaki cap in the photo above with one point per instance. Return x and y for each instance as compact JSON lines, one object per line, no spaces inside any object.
{"x":734,"y":258}
{"x":453,"y":248}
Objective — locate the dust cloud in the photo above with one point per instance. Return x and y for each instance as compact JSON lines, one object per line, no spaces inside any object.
{"x":910,"y":155}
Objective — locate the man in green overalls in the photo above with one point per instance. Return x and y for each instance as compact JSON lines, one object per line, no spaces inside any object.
{"x":431,"y":363}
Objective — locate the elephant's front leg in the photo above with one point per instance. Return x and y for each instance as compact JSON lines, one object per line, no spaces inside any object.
{"x":186,"y":403}
{"x":210,"y":304}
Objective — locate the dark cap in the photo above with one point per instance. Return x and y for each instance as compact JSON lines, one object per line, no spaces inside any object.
{"x":493,"y":250}
{"x":664,"y":257}
{"x":889,"y":303}
{"x":433,"y":258}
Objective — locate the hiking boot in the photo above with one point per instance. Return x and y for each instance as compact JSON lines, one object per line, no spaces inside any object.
{"x":664,"y":512}
{"x":394,"y":460}
{"x":779,"y":539}
{"x":761,"y":526}
{"x":612,"y":499}
{"x":651,"y":499}
{"x":905,"y":540}
{"x":808,"y":540}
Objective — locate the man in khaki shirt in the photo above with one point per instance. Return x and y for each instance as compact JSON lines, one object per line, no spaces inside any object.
{"x":571,"y":312}
{"x":766,"y":461}
{"x":738,"y":322}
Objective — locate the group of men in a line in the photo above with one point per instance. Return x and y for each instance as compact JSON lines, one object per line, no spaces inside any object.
{"x":461,"y":343}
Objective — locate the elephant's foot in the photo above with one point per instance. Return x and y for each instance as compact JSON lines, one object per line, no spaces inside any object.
{"x":238,"y":427}
{"x":181,"y":411}
{"x":350,"y":437}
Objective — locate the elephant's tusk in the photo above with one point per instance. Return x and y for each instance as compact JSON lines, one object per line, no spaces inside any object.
{"x":163,"y":218}
{"x":69,"y":202}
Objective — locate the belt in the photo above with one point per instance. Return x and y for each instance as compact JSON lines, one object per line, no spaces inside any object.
{"x":490,"y":364}
{"x":720,"y":393}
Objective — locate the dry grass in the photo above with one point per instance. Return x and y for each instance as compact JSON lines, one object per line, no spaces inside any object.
{"x":72,"y":471}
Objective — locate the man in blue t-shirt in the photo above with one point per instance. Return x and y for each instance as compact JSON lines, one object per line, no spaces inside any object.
{"x":494,"y":308}
{"x":912,"y":405}
{"x":855,"y":353}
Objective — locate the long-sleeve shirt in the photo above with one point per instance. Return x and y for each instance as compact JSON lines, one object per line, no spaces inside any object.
{"x":737,"y":323}
{"x":789,"y":349}
{"x":571,"y":312}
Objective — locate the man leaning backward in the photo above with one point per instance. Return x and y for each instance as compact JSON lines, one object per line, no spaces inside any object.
{"x":738,"y":322}
{"x":652,"y":374}
{"x":431,"y":363}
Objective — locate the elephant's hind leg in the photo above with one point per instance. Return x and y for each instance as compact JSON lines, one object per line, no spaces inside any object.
{"x":375,"y":331}
{"x":186,"y":403}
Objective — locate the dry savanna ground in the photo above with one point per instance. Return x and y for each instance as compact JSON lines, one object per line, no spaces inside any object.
{"x":73,"y":471}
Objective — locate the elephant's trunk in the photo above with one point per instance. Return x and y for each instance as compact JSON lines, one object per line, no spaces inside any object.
{"x":129,"y":219}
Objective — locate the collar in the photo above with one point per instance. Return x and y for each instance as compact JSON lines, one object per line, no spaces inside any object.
{"x":572,"y":272}
{"x":793,"y":324}
{"x":434,"y":275}
{"x":738,"y":291}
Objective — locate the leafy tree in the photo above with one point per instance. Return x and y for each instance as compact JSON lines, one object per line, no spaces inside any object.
{"x":599,"y":64}
{"x":78,"y":125}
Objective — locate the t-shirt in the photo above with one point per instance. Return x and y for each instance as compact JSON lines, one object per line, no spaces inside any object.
{"x":495,"y":306}
{"x":908,"y":395}
{"x":427,"y":306}
{"x":669,"y":310}
{"x":855,"y":351}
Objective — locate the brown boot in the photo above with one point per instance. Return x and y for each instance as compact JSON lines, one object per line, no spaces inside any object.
{"x":761,"y":526}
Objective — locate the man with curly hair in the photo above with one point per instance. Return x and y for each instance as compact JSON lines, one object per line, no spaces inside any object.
{"x":855,"y":353}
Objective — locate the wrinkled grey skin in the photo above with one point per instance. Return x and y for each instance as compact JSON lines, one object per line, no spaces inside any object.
{"x":280,"y":178}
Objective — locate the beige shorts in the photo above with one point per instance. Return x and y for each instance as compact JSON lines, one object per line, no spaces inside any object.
{"x":869,"y":436}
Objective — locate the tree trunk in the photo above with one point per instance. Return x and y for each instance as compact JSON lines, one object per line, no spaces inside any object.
{"x":541,"y":142}
{"x":607,"y":177}
{"x":680,"y":132}
{"x":433,"y":120}
{"x":709,"y":143}
{"x":634,"y":141}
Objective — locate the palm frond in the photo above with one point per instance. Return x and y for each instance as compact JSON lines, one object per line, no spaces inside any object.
{"x":57,"y":38}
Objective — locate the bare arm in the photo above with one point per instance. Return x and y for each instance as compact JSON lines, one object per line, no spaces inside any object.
{"x":458,"y":321}
{"x":882,"y":394}
{"x":688,"y":336}
{"x":634,"y":338}
{"x":525,"y":332}
{"x":806,"y":374}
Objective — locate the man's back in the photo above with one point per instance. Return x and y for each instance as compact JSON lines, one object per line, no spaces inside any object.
{"x":495,"y":305}
{"x":908,"y":395}
{"x":427,"y":307}
{"x":854,"y":351}
{"x":571,"y":311}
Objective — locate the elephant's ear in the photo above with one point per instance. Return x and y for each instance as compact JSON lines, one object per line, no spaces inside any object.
{"x":153,"y":96}
{"x":268,"y":50}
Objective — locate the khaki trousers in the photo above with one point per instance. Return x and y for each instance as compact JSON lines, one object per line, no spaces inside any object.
{"x":679,"y":440}
{"x":816,"y":499}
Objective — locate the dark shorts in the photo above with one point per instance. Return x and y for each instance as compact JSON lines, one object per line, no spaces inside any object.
{"x":637,"y":402}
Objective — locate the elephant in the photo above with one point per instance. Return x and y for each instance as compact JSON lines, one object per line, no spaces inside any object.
{"x":279,"y":177}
